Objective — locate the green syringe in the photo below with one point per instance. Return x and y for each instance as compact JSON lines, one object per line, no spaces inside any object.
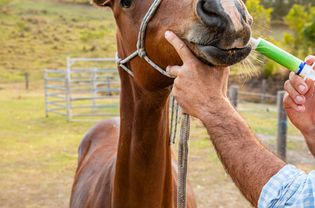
{"x":283,"y":58}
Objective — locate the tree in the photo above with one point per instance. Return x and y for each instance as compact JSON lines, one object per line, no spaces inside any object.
{"x":299,"y":20}
{"x":309,"y":32}
{"x":261,"y":16}
{"x":282,"y":7}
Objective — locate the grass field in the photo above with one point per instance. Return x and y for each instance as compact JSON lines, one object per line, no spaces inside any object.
{"x":38,"y":34}
{"x":38,"y":155}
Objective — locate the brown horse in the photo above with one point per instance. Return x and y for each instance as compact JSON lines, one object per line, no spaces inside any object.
{"x":128,"y":163}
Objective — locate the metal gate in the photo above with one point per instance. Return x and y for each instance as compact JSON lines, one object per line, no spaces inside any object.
{"x":81,"y":92}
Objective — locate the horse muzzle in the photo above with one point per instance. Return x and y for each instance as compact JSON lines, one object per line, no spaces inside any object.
{"x":223,"y":33}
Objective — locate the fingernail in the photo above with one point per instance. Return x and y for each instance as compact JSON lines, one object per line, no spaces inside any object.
{"x":301,"y":88}
{"x":167,"y":69}
{"x":167,"y":34}
{"x":299,"y":99}
{"x":308,"y":57}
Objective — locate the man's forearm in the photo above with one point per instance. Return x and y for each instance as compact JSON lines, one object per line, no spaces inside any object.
{"x":249,"y":163}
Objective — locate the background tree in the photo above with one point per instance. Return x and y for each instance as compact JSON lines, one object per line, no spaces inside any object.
{"x":309,"y":34}
{"x":300,"y":20}
{"x":282,"y":7}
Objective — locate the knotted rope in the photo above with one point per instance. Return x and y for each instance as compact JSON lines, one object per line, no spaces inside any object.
{"x":182,"y":150}
{"x":183,"y":160}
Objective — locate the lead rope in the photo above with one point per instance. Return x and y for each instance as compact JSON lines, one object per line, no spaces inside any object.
{"x":182,"y":161}
{"x":174,"y":120}
{"x":182,"y":150}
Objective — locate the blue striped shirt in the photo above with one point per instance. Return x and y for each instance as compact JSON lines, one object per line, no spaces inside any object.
{"x":290,"y":187}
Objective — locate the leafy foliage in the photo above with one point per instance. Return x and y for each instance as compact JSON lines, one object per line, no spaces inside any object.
{"x":282,"y":7}
{"x":261,"y":15}
{"x":309,"y":32}
{"x":300,"y":20}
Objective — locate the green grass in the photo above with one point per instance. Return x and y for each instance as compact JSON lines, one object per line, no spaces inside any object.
{"x":38,"y":34}
{"x":263,"y":118}
{"x":38,"y":155}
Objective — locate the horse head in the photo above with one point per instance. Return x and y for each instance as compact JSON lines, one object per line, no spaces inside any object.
{"x":216,"y":31}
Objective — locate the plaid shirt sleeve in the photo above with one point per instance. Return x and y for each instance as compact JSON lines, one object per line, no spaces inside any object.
{"x":290,"y":187}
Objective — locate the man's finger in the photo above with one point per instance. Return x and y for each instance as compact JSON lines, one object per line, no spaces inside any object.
{"x":290,"y":104}
{"x":299,"y":84}
{"x":181,"y":48}
{"x":173,"y":70}
{"x":296,"y":96}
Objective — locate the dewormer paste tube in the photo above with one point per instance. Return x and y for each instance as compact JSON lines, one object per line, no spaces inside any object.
{"x":284,"y":58}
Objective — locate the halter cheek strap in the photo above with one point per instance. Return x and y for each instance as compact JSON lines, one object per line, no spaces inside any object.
{"x":141,"y":52}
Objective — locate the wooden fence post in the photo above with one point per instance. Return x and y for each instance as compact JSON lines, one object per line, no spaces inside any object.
{"x":68,"y":98}
{"x":94,"y":88}
{"x":46,"y":92}
{"x":26,"y":77}
{"x":109,"y":91}
{"x":233,"y":95}
{"x":263,"y":90}
{"x":282,"y":127}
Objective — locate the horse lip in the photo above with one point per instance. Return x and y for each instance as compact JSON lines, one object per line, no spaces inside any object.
{"x":223,"y":57}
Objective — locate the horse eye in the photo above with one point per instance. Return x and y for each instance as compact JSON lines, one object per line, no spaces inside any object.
{"x":126,"y":3}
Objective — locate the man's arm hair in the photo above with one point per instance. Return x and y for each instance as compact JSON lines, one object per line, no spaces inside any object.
{"x":246,"y":160}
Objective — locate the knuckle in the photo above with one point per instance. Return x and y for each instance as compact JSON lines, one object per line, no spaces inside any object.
{"x":176,"y":82}
{"x":287,"y":101}
{"x":182,"y":46}
{"x":286,"y":98}
{"x":297,"y":81}
{"x":287,"y":85}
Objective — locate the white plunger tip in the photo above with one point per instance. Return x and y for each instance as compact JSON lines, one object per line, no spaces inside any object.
{"x":254,"y":42}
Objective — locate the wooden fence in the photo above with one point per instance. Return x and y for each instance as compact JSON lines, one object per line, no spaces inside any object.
{"x":235,"y":93}
{"x":82,"y":93}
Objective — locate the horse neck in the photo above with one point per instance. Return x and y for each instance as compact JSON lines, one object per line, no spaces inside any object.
{"x":143,"y":168}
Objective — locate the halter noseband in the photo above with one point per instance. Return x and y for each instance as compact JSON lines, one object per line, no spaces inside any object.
{"x":141,"y":52}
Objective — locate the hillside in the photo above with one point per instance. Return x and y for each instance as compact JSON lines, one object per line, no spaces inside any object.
{"x":38,"y":34}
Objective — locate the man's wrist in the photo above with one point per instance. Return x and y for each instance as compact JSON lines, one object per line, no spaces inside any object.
{"x":212,"y":113}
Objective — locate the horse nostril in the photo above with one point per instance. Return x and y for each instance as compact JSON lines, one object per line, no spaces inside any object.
{"x":209,"y":12}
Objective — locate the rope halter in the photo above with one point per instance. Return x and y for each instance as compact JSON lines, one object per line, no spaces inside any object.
{"x":141,"y":52}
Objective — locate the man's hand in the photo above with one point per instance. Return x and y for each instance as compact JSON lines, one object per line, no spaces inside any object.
{"x":300,"y":104}
{"x":201,"y":92}
{"x":197,"y":87}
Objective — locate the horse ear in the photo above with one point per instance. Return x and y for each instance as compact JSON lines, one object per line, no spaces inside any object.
{"x":102,"y":3}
